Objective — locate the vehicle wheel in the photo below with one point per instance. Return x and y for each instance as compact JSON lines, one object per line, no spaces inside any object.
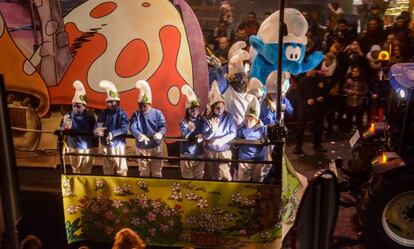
{"x":387,"y":210}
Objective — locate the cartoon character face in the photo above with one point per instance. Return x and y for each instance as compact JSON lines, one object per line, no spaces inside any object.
{"x":293,"y":52}
{"x":293,"y":55}
{"x":266,"y":46}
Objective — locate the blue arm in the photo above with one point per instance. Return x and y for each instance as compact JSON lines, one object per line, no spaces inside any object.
{"x":185,"y":133}
{"x":207,"y":131}
{"x":162,"y":124}
{"x":134,"y":126}
{"x":232,"y":133}
{"x":289,"y":108}
{"x":312,"y":61}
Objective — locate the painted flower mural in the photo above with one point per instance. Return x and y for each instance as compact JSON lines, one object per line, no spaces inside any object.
{"x":206,"y":215}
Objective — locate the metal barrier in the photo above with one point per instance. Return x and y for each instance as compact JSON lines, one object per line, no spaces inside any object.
{"x":62,"y":151}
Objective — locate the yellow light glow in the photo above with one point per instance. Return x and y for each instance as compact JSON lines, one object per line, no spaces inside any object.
{"x":372,"y":128}
{"x":384,"y":56}
{"x":384,"y":158}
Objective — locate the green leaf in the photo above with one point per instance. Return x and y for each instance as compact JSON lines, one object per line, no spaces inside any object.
{"x":253,"y":111}
{"x":144,"y":99}
{"x":112,"y":94}
{"x":194,"y":103}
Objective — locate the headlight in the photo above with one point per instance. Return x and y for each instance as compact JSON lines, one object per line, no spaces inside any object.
{"x":402,"y":93}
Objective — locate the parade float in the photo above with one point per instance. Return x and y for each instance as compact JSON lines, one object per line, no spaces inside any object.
{"x":125,"y":41}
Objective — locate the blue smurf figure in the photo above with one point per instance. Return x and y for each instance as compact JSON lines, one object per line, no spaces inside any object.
{"x":265,"y":46}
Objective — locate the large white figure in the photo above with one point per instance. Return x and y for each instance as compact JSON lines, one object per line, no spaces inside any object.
{"x":235,"y":96}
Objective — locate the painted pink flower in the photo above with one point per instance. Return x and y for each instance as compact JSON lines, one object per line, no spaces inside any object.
{"x":164,"y":228}
{"x":135,"y":221}
{"x":151,"y":216}
{"x":109,"y":215}
{"x":152,"y":231}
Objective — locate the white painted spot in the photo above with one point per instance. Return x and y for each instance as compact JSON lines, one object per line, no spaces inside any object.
{"x":174,"y":95}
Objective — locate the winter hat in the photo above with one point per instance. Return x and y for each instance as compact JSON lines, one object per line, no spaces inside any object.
{"x":145,"y":95}
{"x":191,"y":100}
{"x":111,"y":91}
{"x":296,"y":24}
{"x":214,"y":95}
{"x":253,"y":109}
{"x":255,"y":87}
{"x":271,"y":82}
{"x":373,"y":48}
{"x":236,"y":57}
{"x":80,"y":93}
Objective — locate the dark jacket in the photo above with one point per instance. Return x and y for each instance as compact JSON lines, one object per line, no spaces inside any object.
{"x":311,"y":88}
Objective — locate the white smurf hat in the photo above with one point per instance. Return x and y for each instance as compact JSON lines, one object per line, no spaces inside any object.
{"x":236,"y":47}
{"x":111,"y":91}
{"x":80,"y":93}
{"x":296,"y":24}
{"x":236,"y":57}
{"x":253,"y":109}
{"x":255,"y":87}
{"x":214,"y":95}
{"x":145,"y":95}
{"x":271,"y":82}
{"x":191,"y":100}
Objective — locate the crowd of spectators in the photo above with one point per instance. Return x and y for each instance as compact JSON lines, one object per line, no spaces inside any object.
{"x":356,"y":76}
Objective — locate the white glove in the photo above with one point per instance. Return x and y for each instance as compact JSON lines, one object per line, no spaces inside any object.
{"x":200,"y":138}
{"x":110,"y":136}
{"x":67,"y":122}
{"x":99,"y":131}
{"x":143,"y":139}
{"x":190,"y":126}
{"x":157,"y":136}
{"x":218,"y":142}
{"x":214,"y":124}
{"x":283,"y":107}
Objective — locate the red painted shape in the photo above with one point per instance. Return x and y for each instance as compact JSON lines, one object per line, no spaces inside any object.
{"x":146,"y":4}
{"x":132,"y":59}
{"x":103,"y":9}
{"x":163,"y":79}
{"x":78,"y":70}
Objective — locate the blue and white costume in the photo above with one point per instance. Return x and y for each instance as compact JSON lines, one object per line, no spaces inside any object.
{"x":83,"y":121}
{"x":148,"y":128}
{"x":114,"y":124}
{"x":268,"y":114}
{"x":218,"y":131}
{"x":236,"y":100}
{"x":254,"y":131}
{"x":192,"y":129}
